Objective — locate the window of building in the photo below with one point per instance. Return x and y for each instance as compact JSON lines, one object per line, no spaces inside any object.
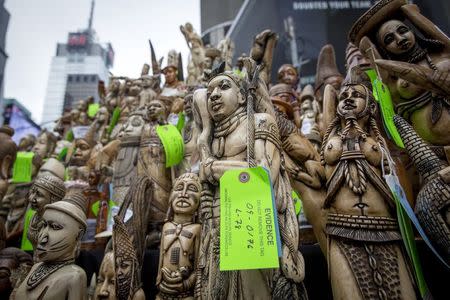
{"x":69,"y":78}
{"x":93,"y":78}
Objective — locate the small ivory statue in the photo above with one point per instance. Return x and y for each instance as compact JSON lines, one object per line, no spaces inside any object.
{"x":310,"y":115}
{"x":27,"y":142}
{"x":355,"y":221}
{"x":195,"y":44}
{"x":56,"y":276}
{"x":152,"y":163}
{"x":224,"y":123}
{"x":283,"y":92}
{"x":180,"y":241}
{"x":45,"y":190}
{"x":125,"y":165}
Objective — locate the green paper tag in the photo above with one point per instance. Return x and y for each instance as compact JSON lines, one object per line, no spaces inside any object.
{"x":181,"y":120}
{"x":297,"y":202}
{"x":26,"y":244}
{"x":93,"y":109}
{"x":23,"y":167}
{"x":95,"y":207}
{"x":249,"y":235}
{"x":62,"y":154}
{"x":173,"y":144}
{"x":69,"y":136}
{"x":383,"y":96}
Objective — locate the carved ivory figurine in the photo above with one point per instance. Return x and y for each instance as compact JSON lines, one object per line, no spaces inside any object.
{"x":125,"y":165}
{"x":45,"y":190}
{"x":45,"y":144}
{"x":152,"y":163}
{"x":356,"y":220}
{"x":221,"y":113}
{"x":383,"y":33}
{"x":56,"y":276}
{"x":180,"y":241}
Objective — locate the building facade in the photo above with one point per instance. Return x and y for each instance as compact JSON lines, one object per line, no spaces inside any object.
{"x":75,"y":72}
{"x":4,"y":19}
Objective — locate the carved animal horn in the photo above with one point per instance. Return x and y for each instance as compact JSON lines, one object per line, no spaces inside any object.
{"x":426,"y":161}
{"x":180,"y":68}
{"x":155,"y":66}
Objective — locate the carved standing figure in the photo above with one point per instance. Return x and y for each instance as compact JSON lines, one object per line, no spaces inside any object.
{"x":221,"y":113}
{"x":356,"y":221}
{"x":180,"y":241}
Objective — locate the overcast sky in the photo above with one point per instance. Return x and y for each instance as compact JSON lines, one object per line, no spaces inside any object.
{"x":35,"y":26}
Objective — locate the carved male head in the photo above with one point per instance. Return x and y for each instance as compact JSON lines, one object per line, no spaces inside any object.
{"x":45,"y":190}
{"x":45,"y":144}
{"x":185,"y":196}
{"x":64,"y":224}
{"x":12,"y":260}
{"x":288,"y":74}
{"x":156,"y":110}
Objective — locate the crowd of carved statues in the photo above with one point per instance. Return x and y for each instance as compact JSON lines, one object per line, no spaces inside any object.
{"x":101,"y":181}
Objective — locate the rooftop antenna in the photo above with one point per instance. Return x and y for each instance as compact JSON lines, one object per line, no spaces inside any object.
{"x":91,"y":16}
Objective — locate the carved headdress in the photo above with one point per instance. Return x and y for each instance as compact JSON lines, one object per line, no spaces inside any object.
{"x":326,"y":66}
{"x":53,"y":185}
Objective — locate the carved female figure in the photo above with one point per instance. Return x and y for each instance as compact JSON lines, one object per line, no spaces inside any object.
{"x":360,"y":234}
{"x":382,"y":33}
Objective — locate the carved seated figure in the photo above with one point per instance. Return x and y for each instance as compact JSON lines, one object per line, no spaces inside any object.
{"x":56,"y":276}
{"x":180,"y":241}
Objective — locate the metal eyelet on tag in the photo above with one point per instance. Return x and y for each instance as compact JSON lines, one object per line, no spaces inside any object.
{"x":244,"y":177}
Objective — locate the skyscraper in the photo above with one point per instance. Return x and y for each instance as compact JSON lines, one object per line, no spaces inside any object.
{"x":75,"y":71}
{"x":4,"y":18}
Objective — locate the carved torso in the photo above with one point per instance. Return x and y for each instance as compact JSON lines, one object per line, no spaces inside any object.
{"x":125,"y":167}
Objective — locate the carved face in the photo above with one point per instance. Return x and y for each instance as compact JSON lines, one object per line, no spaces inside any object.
{"x":125,"y":269}
{"x":395,"y":37}
{"x":224,"y":97}
{"x":352,"y":100}
{"x":41,"y":146}
{"x":11,"y":261}
{"x":82,"y":105}
{"x":307,"y":105}
{"x":81,"y":153}
{"x":38,"y":198}
{"x":156,"y":109}
{"x":133,"y":127}
{"x":288,"y":75}
{"x":208,"y":62}
{"x":106,"y":280}
{"x":170,"y":75}
{"x":185,"y":196}
{"x":188,"y":105}
{"x":58,"y":237}
{"x":102,"y":115}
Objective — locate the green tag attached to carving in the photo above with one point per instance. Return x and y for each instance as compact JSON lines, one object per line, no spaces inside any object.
{"x":114,"y":119}
{"x":26,"y":244}
{"x":383,"y":96}
{"x":23,"y":167}
{"x":297,"y":203}
{"x":173,"y":144}
{"x":95,"y":207}
{"x":249,"y":235}
{"x":181,"y":121}
{"x":93,"y":109}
